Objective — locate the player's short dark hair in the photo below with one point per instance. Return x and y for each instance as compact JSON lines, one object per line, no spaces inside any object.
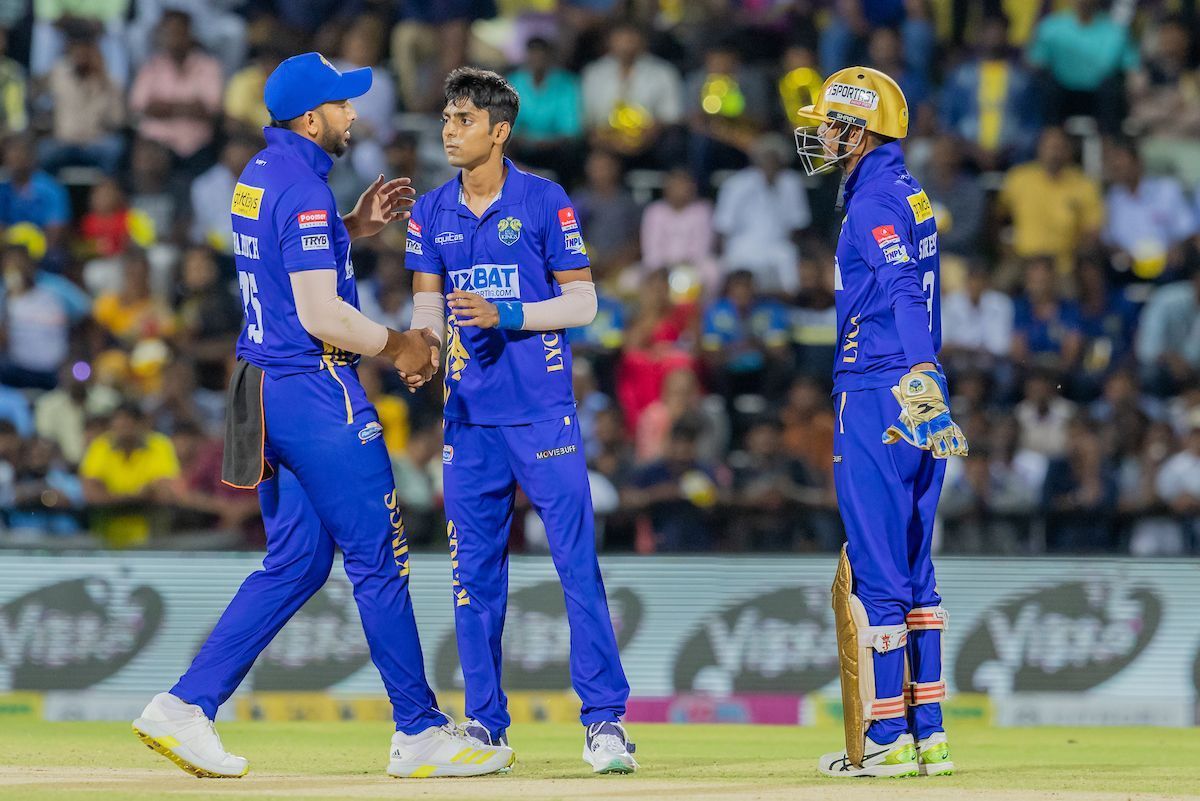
{"x":487,"y":90}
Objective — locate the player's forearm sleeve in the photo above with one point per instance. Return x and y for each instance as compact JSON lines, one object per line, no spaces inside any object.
{"x":429,"y":311}
{"x":910,"y":309}
{"x":575,"y":307}
{"x":330,"y":319}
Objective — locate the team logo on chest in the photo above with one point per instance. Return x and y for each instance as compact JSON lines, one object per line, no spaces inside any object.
{"x":509,"y":230}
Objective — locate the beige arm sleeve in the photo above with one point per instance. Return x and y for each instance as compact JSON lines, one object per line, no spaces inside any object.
{"x":429,"y":311}
{"x":330,"y":319}
{"x":575,"y":307}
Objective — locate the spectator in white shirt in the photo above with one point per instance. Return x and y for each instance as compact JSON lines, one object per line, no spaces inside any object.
{"x":633,"y":101}
{"x":35,"y":325}
{"x":1044,"y":416}
{"x":210,"y":195}
{"x":1149,"y":219}
{"x":761,"y":211}
{"x":1178,"y":482}
{"x":977,"y":321}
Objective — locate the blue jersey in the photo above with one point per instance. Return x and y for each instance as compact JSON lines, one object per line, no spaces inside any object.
{"x":886,"y":278}
{"x":530,"y":232}
{"x":285,"y":220}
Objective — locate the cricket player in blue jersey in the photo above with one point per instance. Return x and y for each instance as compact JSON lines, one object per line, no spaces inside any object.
{"x":893,"y":433}
{"x":503,"y":249}
{"x":301,"y":430}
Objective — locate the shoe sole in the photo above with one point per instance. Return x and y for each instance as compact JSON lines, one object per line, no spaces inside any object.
{"x":876,"y":772}
{"x":940,"y":769}
{"x":447,"y":771}
{"x":158,"y":746}
{"x":616,"y":766}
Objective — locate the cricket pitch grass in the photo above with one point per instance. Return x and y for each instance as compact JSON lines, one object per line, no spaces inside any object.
{"x":105,"y":762}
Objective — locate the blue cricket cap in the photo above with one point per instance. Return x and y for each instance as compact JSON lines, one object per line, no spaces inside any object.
{"x":301,"y":83}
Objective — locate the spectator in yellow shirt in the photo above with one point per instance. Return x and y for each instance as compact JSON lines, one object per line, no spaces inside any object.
{"x":1056,"y":210}
{"x":125,"y":470}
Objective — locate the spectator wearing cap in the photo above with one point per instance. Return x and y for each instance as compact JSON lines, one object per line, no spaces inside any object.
{"x":551,"y":129}
{"x":125,"y":469}
{"x":761,"y":212}
{"x":1085,"y":55}
{"x":176,"y":95}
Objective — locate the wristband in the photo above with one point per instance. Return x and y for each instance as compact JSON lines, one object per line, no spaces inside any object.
{"x":512,"y":315}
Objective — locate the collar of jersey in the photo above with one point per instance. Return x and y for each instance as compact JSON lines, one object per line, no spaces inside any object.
{"x":511,"y":194}
{"x":296,"y":145}
{"x":883,"y":160}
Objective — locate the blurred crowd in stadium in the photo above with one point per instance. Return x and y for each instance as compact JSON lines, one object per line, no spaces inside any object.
{"x":1059,"y":142}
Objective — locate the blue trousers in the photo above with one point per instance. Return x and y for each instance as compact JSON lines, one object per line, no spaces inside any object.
{"x":331,"y":485}
{"x":887,"y":495}
{"x":482,"y":466}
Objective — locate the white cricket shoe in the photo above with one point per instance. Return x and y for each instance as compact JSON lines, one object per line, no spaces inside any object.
{"x":608,"y":750}
{"x":895,"y":760}
{"x":477,"y":731}
{"x":445,"y":751}
{"x":183,"y":734}
{"x":933,"y":755}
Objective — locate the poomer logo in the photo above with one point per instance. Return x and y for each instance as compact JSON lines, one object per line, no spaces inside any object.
{"x":491,"y":281}
{"x":1067,"y":638}
{"x":857,"y":96}
{"x":783,"y":641}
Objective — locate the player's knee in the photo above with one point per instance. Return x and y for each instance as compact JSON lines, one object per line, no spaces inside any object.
{"x":313,"y":574}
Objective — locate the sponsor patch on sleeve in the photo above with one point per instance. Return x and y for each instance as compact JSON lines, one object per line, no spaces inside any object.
{"x":885,"y":235}
{"x":414,"y":227}
{"x":315,"y":242}
{"x":574,"y":244}
{"x":247,"y":201}
{"x":895,"y":254}
{"x":566,"y":219}
{"x":317,"y":218}
{"x":413,"y":246}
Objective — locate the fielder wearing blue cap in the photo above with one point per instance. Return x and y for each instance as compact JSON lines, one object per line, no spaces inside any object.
{"x":300,"y":429}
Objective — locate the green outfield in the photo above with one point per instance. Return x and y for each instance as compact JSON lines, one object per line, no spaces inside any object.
{"x":103,"y":761}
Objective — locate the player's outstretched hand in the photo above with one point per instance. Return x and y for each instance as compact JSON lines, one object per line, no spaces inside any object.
{"x":924,"y":420}
{"x":470,"y":309}
{"x":381,"y":203}
{"x":418,"y":358}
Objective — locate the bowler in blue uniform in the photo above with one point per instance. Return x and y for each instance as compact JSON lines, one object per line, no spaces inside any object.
{"x":503,"y":251}
{"x":303,"y":433}
{"x":893,"y":433}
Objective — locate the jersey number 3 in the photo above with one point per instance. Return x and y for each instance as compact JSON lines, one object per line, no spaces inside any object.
{"x":927,"y":287}
{"x":251,"y":306}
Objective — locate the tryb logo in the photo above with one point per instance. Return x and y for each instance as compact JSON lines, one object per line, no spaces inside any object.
{"x":315,"y":242}
{"x":509,"y":230}
{"x":491,"y":281}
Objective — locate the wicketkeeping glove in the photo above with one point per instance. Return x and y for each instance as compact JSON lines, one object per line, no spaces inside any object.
{"x":925,"y":416}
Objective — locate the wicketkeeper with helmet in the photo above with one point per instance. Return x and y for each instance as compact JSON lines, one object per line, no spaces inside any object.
{"x":893,"y":433}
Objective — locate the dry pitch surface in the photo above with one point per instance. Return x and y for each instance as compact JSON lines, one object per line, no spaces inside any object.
{"x":105,"y":762}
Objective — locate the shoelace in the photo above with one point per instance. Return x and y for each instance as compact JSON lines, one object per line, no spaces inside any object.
{"x":609,"y":742}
